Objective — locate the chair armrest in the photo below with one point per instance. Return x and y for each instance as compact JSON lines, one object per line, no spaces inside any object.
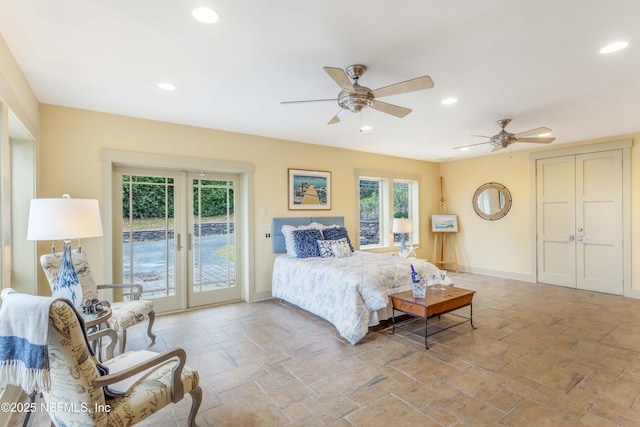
{"x":113,"y":339}
{"x":177,"y":390}
{"x":134,"y":288}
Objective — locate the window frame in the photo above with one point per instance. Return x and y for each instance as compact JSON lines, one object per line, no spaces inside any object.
{"x":387,"y":180}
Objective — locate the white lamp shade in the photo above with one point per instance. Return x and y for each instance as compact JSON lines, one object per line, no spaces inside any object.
{"x":64,"y":219}
{"x":402,"y":225}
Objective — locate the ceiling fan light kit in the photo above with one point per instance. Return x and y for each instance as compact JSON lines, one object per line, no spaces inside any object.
{"x":355,"y":98}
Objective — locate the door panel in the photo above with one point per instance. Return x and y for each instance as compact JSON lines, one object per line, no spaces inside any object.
{"x":212,"y":252}
{"x":556,"y":221}
{"x":599,"y":222}
{"x":148,"y":201}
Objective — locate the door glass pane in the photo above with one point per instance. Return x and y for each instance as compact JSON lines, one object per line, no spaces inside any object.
{"x":148,"y":230}
{"x":213,"y":235}
{"x":370,"y":230}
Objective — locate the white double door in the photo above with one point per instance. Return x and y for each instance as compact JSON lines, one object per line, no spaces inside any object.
{"x":177,"y":236}
{"x":580,"y":221}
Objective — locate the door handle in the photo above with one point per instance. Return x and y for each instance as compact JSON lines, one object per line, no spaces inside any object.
{"x":571,"y":237}
{"x":179,"y":241}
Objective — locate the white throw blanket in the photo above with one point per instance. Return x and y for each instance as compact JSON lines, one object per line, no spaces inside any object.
{"x":24,"y":322}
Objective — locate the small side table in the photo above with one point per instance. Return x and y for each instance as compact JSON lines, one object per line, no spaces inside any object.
{"x":435,"y":303}
{"x":95,"y":321}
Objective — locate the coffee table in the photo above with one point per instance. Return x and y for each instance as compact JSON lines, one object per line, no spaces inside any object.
{"x":435,"y":303}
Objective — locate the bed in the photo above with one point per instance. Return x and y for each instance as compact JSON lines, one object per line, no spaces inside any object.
{"x":350,"y":290}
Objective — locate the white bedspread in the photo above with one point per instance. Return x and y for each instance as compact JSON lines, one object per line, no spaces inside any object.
{"x":345,"y":291}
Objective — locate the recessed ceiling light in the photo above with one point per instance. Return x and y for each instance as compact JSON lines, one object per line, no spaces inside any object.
{"x":450,"y":100}
{"x":205,"y":14}
{"x":166,"y":86}
{"x":366,"y":128}
{"x":614,"y":47}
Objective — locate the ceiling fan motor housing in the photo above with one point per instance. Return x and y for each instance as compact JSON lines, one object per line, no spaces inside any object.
{"x":502,"y":139}
{"x":358,"y":101}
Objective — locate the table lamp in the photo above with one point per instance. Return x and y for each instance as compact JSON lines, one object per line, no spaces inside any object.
{"x":403,"y":226}
{"x":65,"y":219}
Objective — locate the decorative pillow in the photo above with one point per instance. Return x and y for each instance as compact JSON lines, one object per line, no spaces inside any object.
{"x":324,"y":246}
{"x":305,"y":242}
{"x":336,"y":233}
{"x":287,"y":231}
{"x":341,"y":248}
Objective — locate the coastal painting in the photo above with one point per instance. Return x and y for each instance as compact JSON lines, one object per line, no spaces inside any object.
{"x":444,"y":223}
{"x":309,"y":190}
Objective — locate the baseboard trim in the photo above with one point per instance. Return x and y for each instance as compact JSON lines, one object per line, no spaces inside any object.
{"x":498,"y":273}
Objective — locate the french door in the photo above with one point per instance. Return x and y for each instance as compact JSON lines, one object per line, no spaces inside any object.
{"x":176,"y":237}
{"x":580,"y":221}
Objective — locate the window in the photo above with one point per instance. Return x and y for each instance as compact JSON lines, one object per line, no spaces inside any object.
{"x":382,"y":198}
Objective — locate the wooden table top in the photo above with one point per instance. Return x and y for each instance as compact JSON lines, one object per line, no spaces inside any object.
{"x":433,"y":296}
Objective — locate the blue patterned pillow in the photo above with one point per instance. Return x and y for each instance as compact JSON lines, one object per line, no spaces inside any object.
{"x":324,"y":246}
{"x":305,"y":242}
{"x":336,"y":233}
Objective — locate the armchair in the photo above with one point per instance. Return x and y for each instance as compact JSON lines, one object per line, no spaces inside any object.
{"x":76,"y":384}
{"x":124,"y":313}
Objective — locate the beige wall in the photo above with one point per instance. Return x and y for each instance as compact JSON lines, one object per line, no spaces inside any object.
{"x":16,"y":92}
{"x":69,"y":162}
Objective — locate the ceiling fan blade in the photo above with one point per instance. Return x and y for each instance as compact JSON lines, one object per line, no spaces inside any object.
{"x":470,"y":145}
{"x":538,"y":140}
{"x":340,"y":77}
{"x":412,"y":85}
{"x":336,"y":118}
{"x":481,"y":136}
{"x":394,"y":110}
{"x":308,"y":100}
{"x":532,"y":132}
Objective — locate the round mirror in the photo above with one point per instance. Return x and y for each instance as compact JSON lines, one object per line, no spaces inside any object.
{"x":492,"y":201}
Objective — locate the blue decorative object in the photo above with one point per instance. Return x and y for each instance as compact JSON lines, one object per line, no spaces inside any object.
{"x":336,"y":233}
{"x":306,"y":242}
{"x":67,"y":284}
{"x":419,"y":286}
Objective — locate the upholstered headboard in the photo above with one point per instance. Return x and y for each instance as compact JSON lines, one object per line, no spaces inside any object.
{"x":276,"y":230}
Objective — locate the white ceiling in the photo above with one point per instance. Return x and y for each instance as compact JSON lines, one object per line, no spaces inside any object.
{"x":535,"y":62}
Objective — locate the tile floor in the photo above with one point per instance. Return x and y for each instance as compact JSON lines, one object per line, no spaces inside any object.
{"x":541,"y":356}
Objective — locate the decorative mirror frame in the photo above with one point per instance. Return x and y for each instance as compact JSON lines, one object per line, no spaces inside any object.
{"x":499,"y":214}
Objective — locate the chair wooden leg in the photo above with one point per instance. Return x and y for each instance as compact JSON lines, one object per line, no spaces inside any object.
{"x":152,"y":318}
{"x":196,"y":399}
{"x":123,"y":341}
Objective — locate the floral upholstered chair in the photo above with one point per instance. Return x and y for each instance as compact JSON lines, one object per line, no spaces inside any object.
{"x":76,"y":381}
{"x":124,"y":313}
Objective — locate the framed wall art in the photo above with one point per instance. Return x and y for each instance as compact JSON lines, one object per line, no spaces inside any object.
{"x":309,"y":190}
{"x":444,"y":223}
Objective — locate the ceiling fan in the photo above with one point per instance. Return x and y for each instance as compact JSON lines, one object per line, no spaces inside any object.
{"x":356,"y":98}
{"x":504,"y":139}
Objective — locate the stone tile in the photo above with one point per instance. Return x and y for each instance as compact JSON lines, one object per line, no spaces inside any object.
{"x":390,"y":411}
{"x":470,"y":411}
{"x":612,"y":388}
{"x":530,"y":413}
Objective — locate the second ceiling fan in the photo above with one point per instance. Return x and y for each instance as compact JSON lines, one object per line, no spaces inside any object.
{"x":503,"y":139}
{"x":355,"y":98}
